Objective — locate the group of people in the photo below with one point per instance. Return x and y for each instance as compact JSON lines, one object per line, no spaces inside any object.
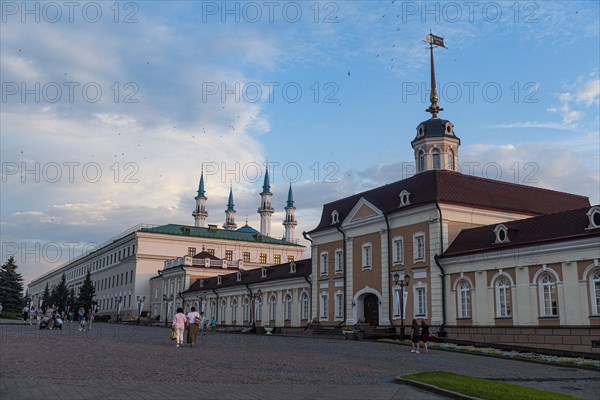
{"x":54,"y":318}
{"x":194,"y":322}
{"x":421,"y":333}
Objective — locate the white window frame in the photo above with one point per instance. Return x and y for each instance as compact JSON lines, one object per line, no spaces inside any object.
{"x":595,"y":291}
{"x":324,"y":306}
{"x":288,"y":307}
{"x":339,"y":260}
{"x":324,"y":259}
{"x":419,"y":251}
{"x":548,"y":289}
{"x":273,"y":308}
{"x":502,"y":288}
{"x":224,"y":310}
{"x":367,"y":255}
{"x":420,"y":300}
{"x":234,"y":309}
{"x":305,"y":305}
{"x":246,"y":308}
{"x":339,"y":305}
{"x":258,"y":310}
{"x":398,"y":255}
{"x":463,"y":293}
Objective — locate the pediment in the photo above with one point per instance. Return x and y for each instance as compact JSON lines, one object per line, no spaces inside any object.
{"x":363,"y":210}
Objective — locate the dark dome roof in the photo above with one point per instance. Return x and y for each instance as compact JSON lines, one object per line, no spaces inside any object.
{"x":248,"y":229}
{"x":435,"y":127}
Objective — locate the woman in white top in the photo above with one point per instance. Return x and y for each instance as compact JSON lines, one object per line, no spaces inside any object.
{"x":193,"y":319}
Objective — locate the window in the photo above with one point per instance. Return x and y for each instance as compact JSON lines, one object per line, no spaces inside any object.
{"x":339,"y":305}
{"x":548,"y":295}
{"x":262,"y":258}
{"x":421,"y":161}
{"x":263,"y":272}
{"x":324,"y":306}
{"x":239,"y":276}
{"x":339,"y":260}
{"x":229,"y":255}
{"x":191,"y":251}
{"x":246,"y":307}
{"x":305,"y":309}
{"x":288,"y":307}
{"x":290,"y":258}
{"x":503,"y":302}
{"x":273,"y":308}
{"x":292,"y":267}
{"x":595,"y":288}
{"x":246,"y":256}
{"x":404,"y":198}
{"x":126,"y":277}
{"x":419,"y":247}
{"x":324,"y":257}
{"x":234,"y":307}
{"x":464,"y":299}
{"x":451,"y":160}
{"x":420,"y":302}
{"x":501,"y":234}
{"x":219,"y":280}
{"x":277,"y":259}
{"x":210,"y":251}
{"x":435,"y":158}
{"x":398,"y":249}
{"x":366,"y":255}
{"x":223,"y":311}
{"x":258,"y":309}
{"x":335,"y":217}
{"x":594,"y":217}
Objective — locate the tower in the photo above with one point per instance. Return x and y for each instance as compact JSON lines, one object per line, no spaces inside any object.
{"x":265,"y":209}
{"x":200,"y":213}
{"x":230,"y":213}
{"x":436,"y":145}
{"x":290,"y":220}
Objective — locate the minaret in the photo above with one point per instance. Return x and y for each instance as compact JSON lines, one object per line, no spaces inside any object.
{"x":200,"y":213}
{"x":230,"y":213}
{"x":290,"y":220}
{"x":265,"y":209}
{"x":436,"y":145}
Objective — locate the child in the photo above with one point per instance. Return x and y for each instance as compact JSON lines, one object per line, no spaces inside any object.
{"x":415,"y":337}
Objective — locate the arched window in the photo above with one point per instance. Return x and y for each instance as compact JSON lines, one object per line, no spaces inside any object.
{"x":258,"y":309}
{"x":421,"y":161}
{"x":450,"y":160}
{"x":548,"y":296}
{"x":435,"y":158}
{"x":305,"y":304}
{"x":595,"y":288}
{"x":213,"y":309}
{"x":503,"y":302}
{"x":223,"y":311}
{"x":234,"y":307}
{"x":288,"y":307}
{"x":273,"y":308}
{"x":464,"y":299}
{"x":246,"y":306}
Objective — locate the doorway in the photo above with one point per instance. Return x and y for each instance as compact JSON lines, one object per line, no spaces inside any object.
{"x":371,"y":309}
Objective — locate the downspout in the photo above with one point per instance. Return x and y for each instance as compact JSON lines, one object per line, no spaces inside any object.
{"x":308,"y":280}
{"x":180,"y":295}
{"x":442,"y":332}
{"x":337,"y":226}
{"x":389,"y":257}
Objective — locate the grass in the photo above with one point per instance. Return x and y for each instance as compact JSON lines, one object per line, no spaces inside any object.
{"x":483,"y":388}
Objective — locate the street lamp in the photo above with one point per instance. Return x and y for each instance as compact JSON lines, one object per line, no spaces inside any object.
{"x":118,"y":301}
{"x":140,"y":301}
{"x":402,"y":283}
{"x":167,"y":299}
{"x":255,"y":296}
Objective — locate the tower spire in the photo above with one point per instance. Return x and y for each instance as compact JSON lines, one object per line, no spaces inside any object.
{"x":230,"y":212}
{"x":290,"y":220}
{"x":199,"y":212}
{"x":434,"y":108}
{"x":265,"y":211}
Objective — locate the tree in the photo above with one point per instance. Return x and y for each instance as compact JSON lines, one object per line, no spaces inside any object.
{"x":11,"y":287}
{"x":87,"y":292}
{"x":46,"y":297}
{"x":61,"y":293}
{"x":71,"y":300}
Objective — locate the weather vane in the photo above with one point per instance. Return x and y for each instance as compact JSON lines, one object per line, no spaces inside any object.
{"x":433,"y":40}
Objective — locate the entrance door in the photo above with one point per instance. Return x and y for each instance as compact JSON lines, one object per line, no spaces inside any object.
{"x":371,"y":310}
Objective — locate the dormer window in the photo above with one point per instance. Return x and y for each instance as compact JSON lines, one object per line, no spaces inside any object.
{"x":449,"y":129}
{"x":501,"y":234}
{"x":594,"y":216}
{"x":219,"y":280}
{"x":263,"y":272}
{"x":201,"y":282}
{"x":292,"y":267}
{"x":404,"y":198}
{"x":420,"y":130}
{"x":239,"y":276}
{"x":335,"y":217}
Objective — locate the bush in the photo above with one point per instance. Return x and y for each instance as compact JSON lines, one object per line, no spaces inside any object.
{"x":11,"y":315}
{"x":102,"y":318}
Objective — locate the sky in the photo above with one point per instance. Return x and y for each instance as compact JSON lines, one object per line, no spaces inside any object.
{"x":111,"y":110}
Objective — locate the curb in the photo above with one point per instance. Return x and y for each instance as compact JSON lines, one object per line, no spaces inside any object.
{"x":433,"y":389}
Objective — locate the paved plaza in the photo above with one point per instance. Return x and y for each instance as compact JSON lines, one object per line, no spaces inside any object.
{"x":131,"y":362}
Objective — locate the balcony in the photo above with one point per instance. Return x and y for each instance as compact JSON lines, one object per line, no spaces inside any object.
{"x":188,"y":261}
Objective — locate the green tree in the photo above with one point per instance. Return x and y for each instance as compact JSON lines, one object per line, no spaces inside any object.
{"x":87,"y":292}
{"x":52,"y":300}
{"x":61,"y":293}
{"x":71,"y":300}
{"x":46,"y":297}
{"x":11,"y":286}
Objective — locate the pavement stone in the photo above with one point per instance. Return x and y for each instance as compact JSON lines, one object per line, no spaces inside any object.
{"x":137,"y":362}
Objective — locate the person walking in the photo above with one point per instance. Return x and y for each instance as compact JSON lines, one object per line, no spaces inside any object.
{"x":424,"y":334}
{"x":193,"y":325}
{"x":178,"y":324}
{"x":81,"y":318}
{"x":415,"y":336}
{"x":31,"y":314}
{"x":91,"y":315}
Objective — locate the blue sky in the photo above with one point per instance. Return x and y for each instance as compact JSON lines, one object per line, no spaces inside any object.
{"x":108,"y":112}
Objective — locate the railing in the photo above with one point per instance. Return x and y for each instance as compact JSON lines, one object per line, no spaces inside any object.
{"x":201,"y":262}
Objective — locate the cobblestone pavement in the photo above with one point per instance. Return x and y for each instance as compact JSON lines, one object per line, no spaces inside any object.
{"x":131,"y":362}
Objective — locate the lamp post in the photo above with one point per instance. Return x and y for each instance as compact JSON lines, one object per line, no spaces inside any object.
{"x":402,"y":283}
{"x":255,"y":296}
{"x":167,"y":299}
{"x":118,"y":301}
{"x":140,"y":301}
